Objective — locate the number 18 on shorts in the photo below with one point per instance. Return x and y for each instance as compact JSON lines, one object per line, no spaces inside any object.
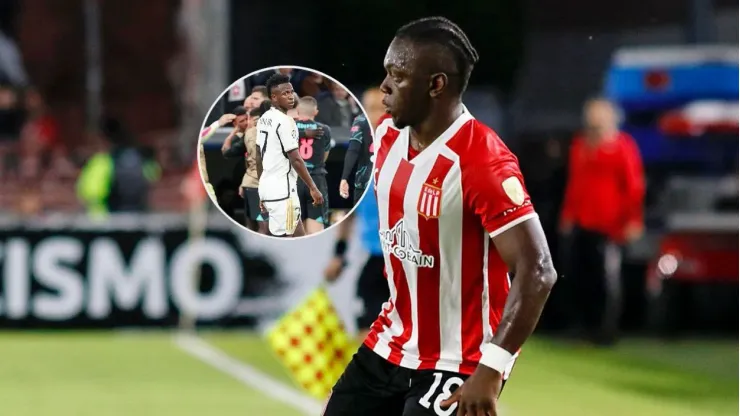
{"x":372,"y":386}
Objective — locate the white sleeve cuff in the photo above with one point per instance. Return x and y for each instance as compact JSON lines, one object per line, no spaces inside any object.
{"x":511,"y":224}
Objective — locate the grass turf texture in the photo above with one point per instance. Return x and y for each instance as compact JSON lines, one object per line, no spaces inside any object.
{"x":104,"y":373}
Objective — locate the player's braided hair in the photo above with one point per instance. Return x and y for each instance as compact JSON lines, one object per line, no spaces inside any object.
{"x":444,"y":32}
{"x":275,"y":80}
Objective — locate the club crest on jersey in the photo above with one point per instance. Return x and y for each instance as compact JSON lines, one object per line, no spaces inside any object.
{"x":430,"y":201}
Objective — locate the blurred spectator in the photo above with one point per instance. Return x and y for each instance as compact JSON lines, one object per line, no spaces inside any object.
{"x":259,"y":94}
{"x":603,"y":209}
{"x":311,"y":84}
{"x":29,"y":202}
{"x":372,"y":101}
{"x":335,"y":108}
{"x":262,"y":77}
{"x":11,"y":64}
{"x":40,"y":129}
{"x":117,"y":180}
{"x":11,"y":115}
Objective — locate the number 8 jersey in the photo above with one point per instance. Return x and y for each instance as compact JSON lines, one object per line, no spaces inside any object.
{"x":277,"y":134}
{"x":313,"y":149}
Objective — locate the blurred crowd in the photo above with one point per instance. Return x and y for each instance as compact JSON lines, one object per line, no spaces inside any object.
{"x":35,"y":165}
{"x":44,"y":172}
{"x":40,"y":172}
{"x":336,"y":106}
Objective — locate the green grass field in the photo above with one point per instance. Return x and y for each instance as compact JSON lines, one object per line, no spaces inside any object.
{"x":142,"y":374}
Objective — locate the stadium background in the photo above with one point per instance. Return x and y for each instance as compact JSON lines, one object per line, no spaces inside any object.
{"x":156,"y":66}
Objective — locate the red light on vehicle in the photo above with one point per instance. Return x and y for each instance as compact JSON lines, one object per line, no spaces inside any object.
{"x":657,"y":80}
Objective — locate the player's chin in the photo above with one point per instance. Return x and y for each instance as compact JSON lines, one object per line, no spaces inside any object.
{"x":398,"y":122}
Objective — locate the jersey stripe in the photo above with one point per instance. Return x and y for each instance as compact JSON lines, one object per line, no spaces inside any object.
{"x":471,"y":329}
{"x":386,"y":136}
{"x":403,"y":295}
{"x":428,"y":283}
{"x":389,"y":319}
{"x":450,"y":259}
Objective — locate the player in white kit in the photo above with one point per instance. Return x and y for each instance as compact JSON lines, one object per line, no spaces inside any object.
{"x":279,"y":163}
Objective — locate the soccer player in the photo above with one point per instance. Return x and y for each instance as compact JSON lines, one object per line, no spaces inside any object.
{"x":242,"y":142}
{"x":359,"y":154}
{"x":279,"y":163}
{"x":455,"y":220}
{"x":314,"y":151}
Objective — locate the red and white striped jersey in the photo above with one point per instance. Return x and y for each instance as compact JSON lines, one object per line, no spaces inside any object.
{"x":438,"y":211}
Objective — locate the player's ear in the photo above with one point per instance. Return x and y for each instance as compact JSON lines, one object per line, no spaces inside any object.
{"x":437,"y":84}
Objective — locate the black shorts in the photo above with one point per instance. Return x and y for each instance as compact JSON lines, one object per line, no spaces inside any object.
{"x":372,"y":288}
{"x":372,"y":386}
{"x":359,"y":192}
{"x":308,"y":210}
{"x":252,"y":205}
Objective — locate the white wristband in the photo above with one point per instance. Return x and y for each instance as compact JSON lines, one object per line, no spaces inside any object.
{"x":496,"y":358}
{"x":215,"y":125}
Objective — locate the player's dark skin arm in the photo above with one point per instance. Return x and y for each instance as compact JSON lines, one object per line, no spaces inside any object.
{"x":258,"y":160}
{"x":300,"y":166}
{"x":524,"y":250}
{"x":310,"y":133}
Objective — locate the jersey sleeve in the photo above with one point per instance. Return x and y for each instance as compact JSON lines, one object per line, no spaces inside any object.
{"x":495,"y":192}
{"x":357,"y":131}
{"x":287,"y":133}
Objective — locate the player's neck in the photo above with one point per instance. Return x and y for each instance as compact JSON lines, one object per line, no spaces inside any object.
{"x":439,"y":120}
{"x":277,"y":107}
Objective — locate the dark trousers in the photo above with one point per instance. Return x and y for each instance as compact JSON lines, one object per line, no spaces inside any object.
{"x":596,"y":284}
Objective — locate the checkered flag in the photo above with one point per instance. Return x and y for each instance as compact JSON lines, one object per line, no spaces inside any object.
{"x":312,"y":344}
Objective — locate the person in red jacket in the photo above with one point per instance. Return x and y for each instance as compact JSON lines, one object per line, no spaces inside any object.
{"x":602,"y":211}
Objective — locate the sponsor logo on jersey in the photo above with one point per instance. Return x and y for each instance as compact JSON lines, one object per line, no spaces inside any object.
{"x":397,"y":242}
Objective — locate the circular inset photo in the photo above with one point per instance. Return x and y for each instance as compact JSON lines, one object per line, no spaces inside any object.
{"x":286,"y":151}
